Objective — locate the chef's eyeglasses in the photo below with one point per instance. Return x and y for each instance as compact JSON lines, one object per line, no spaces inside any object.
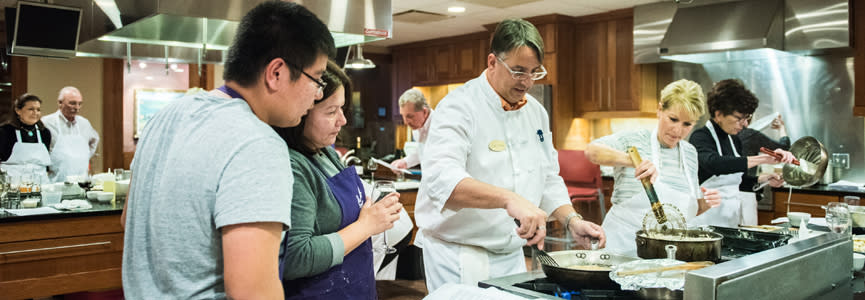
{"x":523,"y":75}
{"x":320,"y":82}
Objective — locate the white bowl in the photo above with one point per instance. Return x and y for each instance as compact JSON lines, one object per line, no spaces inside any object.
{"x":858,"y":261}
{"x":104,"y":196}
{"x":91,"y":195}
{"x":121,"y":187}
{"x":796,"y":218}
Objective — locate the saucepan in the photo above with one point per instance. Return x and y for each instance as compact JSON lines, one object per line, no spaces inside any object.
{"x":692,"y":244}
{"x":580,"y":269}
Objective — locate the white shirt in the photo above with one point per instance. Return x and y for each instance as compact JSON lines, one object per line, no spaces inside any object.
{"x":59,"y":125}
{"x":421,"y":134}
{"x":466,"y":122}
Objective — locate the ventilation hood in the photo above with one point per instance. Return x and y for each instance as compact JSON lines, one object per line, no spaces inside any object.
{"x":200,"y":31}
{"x":707,"y":31}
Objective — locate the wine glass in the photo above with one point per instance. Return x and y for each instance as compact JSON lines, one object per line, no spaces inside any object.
{"x":838,"y":218}
{"x":371,"y":165}
{"x":380,"y":190}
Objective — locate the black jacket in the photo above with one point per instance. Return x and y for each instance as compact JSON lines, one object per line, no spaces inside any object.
{"x":711,"y":163}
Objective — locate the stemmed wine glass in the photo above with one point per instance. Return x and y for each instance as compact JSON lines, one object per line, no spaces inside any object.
{"x":380,"y":190}
{"x":371,"y":165}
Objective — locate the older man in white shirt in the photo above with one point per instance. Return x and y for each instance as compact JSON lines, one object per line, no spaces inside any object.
{"x":416,"y":113}
{"x":74,"y":140}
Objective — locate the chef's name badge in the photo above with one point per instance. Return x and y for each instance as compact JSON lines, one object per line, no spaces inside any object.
{"x":497,"y":146}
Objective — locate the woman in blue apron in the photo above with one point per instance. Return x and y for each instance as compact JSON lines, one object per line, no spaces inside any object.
{"x":24,"y":142}
{"x":721,"y":165}
{"x":327,"y":253}
{"x":666,"y":157}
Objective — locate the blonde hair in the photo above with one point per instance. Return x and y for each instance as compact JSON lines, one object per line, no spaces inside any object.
{"x":686,"y":94}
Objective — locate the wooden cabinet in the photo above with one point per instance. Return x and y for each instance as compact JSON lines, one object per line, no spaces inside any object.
{"x":58,"y":256}
{"x":857,"y":9}
{"x":441,"y":61}
{"x":802,"y":202}
{"x":606,"y":79}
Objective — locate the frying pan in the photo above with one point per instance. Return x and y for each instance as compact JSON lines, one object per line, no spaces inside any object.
{"x":570,"y":278}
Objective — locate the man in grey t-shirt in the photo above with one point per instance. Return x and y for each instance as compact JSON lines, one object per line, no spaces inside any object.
{"x":211,"y":190}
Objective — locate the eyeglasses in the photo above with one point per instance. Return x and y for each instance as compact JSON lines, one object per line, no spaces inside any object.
{"x":320,"y":82}
{"x":523,"y":75}
{"x":743,"y":119}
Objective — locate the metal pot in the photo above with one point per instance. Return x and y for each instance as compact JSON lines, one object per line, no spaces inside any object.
{"x":693,"y":245}
{"x":571,"y":278}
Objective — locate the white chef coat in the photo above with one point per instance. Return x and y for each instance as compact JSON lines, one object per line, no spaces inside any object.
{"x":421,"y":136}
{"x":459,"y":145}
{"x":59,"y":125}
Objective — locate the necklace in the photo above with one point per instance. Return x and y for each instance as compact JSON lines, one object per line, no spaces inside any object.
{"x":29,"y":131}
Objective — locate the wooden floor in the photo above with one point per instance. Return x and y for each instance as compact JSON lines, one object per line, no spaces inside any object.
{"x":401,"y":289}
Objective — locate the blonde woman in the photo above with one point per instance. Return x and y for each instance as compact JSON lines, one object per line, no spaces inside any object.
{"x":668,"y":160}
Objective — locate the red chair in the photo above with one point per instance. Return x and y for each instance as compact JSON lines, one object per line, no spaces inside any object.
{"x":583,"y":180}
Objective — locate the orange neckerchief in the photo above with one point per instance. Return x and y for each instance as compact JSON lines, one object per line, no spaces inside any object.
{"x":507,"y":106}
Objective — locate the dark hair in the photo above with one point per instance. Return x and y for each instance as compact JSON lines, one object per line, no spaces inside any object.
{"x":293,"y":136}
{"x":513,"y":33}
{"x":19,"y":104}
{"x":730,"y":95}
{"x":276,"y":29}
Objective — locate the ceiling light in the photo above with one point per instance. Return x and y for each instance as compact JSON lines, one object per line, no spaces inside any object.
{"x":457,"y":9}
{"x":358,"y":62}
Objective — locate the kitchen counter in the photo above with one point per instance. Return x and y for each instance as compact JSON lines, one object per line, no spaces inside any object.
{"x":98,"y":209}
{"x":821,"y":189}
{"x":60,"y":253}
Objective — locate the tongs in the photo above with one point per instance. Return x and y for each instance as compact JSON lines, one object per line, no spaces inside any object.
{"x":804,"y":165}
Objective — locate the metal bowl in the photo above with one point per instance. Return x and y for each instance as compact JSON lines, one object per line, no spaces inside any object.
{"x":811,"y":150}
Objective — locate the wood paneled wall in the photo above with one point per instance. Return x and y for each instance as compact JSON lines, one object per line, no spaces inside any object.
{"x":112,"y":113}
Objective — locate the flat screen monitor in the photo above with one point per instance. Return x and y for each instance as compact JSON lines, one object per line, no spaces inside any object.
{"x":44,"y":30}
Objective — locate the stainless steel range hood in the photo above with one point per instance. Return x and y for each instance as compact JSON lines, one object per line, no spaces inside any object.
{"x":202,"y":30}
{"x":706,"y":31}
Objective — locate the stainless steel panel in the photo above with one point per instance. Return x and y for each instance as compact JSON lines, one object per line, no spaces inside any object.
{"x":811,"y":25}
{"x":799,"y":270}
{"x":650,"y":25}
{"x":814,"y":95}
{"x":725,"y":26}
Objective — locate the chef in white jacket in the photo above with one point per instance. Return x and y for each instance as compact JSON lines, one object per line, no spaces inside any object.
{"x":74,"y":140}
{"x":489,"y":159}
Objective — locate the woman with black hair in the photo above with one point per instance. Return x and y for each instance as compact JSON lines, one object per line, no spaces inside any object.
{"x":719,"y":151}
{"x":327,"y":253}
{"x":24,"y":141}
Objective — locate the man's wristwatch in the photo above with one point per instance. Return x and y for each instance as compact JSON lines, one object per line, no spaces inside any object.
{"x":568,"y":220}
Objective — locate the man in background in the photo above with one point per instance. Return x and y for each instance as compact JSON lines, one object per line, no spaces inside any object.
{"x":416,"y":113}
{"x":74,"y":140}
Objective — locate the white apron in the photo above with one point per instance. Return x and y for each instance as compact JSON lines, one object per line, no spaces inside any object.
{"x":70,"y":156}
{"x":729,"y":213}
{"x":626,"y":218}
{"x":28,"y":158}
{"x":465,"y":264}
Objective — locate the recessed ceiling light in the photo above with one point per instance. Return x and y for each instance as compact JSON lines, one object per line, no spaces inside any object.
{"x":456,"y":9}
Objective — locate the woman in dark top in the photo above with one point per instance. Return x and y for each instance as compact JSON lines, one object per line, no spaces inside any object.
{"x":24,"y":141}
{"x":722,"y":162}
{"x":327,"y":252}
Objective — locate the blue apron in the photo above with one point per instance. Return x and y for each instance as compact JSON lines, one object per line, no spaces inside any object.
{"x":355,"y":277}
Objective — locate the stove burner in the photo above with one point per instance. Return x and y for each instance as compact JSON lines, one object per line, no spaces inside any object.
{"x":543,"y":285}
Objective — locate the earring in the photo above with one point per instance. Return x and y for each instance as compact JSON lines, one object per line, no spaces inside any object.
{"x":277,"y":74}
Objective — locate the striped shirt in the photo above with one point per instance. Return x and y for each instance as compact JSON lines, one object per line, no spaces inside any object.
{"x":670,"y":172}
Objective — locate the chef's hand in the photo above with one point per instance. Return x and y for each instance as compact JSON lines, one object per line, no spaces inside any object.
{"x":711,"y":198}
{"x":378,"y":217}
{"x":774,"y":179}
{"x":646,"y":169}
{"x":786,"y":156}
{"x":532,"y":219}
{"x":398,"y":165}
{"x":584,"y":232}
